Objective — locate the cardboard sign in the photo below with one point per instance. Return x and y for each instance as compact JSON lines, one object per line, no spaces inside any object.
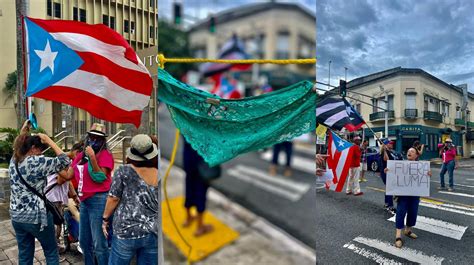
{"x":408,"y":178}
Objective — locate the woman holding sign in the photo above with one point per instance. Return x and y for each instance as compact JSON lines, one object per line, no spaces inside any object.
{"x":407,"y":206}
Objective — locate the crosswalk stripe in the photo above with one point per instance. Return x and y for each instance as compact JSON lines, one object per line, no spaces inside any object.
{"x":462,"y":185}
{"x":292,"y":196}
{"x":457,"y":194}
{"x":370,"y":255}
{"x":404,"y":253}
{"x":449,"y":208}
{"x":298,"y":162}
{"x":288,"y":184}
{"x":439,"y":227}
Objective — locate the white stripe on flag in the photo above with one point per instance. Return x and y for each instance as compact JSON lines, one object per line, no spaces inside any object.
{"x":335,"y":118}
{"x":95,"y":84}
{"x":341,"y":162}
{"x":85,"y":43}
{"x":328,"y":107}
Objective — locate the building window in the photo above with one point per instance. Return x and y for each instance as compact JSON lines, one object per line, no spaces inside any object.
{"x":199,"y":52}
{"x":57,"y":10}
{"x":432,"y":104}
{"x":379,"y":104}
{"x":126,"y":26}
{"x":410,"y":101}
{"x":132,"y":27}
{"x":152,"y":3}
{"x":152,"y":32}
{"x":445,"y":109}
{"x":112,"y":22}
{"x":49,"y":8}
{"x":283,"y":45}
{"x":82,"y":15}
{"x":105,"y":20}
{"x":306,"y":47}
{"x":75,"y":14}
{"x":458,"y":113}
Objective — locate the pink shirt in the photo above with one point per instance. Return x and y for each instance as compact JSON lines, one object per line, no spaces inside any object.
{"x":449,"y":155}
{"x":86,"y":186}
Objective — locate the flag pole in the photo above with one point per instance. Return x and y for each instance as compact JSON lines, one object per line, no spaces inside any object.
{"x":159,"y":217}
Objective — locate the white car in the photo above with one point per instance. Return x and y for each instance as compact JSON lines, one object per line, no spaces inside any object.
{"x":472,"y":154}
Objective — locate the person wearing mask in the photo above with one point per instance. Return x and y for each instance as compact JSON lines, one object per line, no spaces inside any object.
{"x":353,"y":186}
{"x":92,"y":170}
{"x":28,"y":171}
{"x":363,"y":166}
{"x":386,"y":153}
{"x":133,"y":201}
{"x":407,"y":208}
{"x":59,"y":189}
{"x":448,"y":153}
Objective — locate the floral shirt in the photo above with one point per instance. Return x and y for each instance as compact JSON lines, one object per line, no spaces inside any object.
{"x":136,"y":214}
{"x":25,"y":206}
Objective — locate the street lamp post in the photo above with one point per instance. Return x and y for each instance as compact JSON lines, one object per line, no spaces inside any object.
{"x":329,"y":75}
{"x":386,"y":110}
{"x":345,"y":73}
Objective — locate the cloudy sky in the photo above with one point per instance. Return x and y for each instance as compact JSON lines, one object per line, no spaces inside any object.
{"x":201,"y":8}
{"x":367,"y":36}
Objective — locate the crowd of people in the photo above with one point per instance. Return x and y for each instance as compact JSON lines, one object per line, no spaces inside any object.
{"x":406,"y":211}
{"x":117,"y":214}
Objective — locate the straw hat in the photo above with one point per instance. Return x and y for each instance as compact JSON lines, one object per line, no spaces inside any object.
{"x":98,"y":130}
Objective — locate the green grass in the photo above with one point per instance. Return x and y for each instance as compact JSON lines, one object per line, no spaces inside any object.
{"x":3,"y":165}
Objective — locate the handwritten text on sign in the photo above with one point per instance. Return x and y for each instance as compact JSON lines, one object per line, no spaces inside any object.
{"x":409,"y":178}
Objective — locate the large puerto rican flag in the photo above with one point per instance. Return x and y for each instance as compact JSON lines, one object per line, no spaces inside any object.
{"x":87,"y":66}
{"x":339,"y":161}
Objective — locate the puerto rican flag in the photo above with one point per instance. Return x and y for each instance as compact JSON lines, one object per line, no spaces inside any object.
{"x":339,"y":161}
{"x":86,"y":66}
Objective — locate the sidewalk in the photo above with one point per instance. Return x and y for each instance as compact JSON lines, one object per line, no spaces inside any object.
{"x":259,"y":242}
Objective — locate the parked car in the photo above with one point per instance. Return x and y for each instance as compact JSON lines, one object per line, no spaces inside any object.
{"x":373,"y":158}
{"x":472,"y":154}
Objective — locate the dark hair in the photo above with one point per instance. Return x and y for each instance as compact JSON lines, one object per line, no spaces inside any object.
{"x":416,"y":143}
{"x":24,"y":143}
{"x":78,"y":146}
{"x":365,"y":140}
{"x":147,"y":163}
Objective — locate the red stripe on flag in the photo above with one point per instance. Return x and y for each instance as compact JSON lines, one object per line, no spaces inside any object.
{"x":126,"y":78}
{"x":98,"y":31}
{"x":99,"y":107}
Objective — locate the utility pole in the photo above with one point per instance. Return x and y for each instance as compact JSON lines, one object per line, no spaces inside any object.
{"x":345,"y":74}
{"x":329,"y":75}
{"x":386,"y":110}
{"x":21,"y":11}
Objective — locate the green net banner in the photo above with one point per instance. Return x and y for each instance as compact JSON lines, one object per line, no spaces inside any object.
{"x":220,"y":129}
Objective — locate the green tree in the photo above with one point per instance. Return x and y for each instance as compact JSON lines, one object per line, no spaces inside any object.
{"x":10,"y":86}
{"x":174,"y":43}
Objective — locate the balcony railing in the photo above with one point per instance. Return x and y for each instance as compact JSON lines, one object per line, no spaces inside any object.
{"x":381,"y":115}
{"x":432,"y":115}
{"x":459,"y":122}
{"x":411,"y":113}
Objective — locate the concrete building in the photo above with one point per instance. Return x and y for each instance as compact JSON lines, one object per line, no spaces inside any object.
{"x":421,"y":107}
{"x":135,"y":20}
{"x":269,"y":30}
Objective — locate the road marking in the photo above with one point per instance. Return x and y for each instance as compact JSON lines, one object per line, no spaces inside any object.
{"x":404,"y":253}
{"x":449,"y":208}
{"x":457,"y":194}
{"x":290,"y":190}
{"x":370,"y":255}
{"x":462,"y":185}
{"x":470,"y":179}
{"x":298,"y":162}
{"x":438,"y":227}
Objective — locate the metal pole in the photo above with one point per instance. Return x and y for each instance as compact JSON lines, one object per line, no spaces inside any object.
{"x":345,"y":73}
{"x":329,"y":75}
{"x":21,"y":11}
{"x":159,"y":217}
{"x":386,"y":114}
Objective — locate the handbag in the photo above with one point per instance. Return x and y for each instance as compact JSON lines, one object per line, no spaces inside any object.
{"x":208,"y":173}
{"x":58,"y":218}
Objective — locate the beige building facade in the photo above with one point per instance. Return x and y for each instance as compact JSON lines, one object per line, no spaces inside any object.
{"x":135,"y":20}
{"x":421,"y":107}
{"x":269,"y":31}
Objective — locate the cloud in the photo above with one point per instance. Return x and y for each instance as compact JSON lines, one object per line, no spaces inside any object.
{"x":367,"y":36}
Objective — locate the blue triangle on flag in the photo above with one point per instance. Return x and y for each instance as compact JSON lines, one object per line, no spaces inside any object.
{"x":49,"y":60}
{"x":340,"y":144}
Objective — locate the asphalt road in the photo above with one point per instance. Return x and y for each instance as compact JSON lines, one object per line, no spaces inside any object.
{"x":287,"y":202}
{"x":357,"y":230}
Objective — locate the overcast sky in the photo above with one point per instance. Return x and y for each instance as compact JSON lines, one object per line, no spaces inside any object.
{"x":201,"y":8}
{"x":367,"y":36}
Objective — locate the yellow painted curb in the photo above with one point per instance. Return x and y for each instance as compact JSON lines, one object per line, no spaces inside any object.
{"x":202,"y":246}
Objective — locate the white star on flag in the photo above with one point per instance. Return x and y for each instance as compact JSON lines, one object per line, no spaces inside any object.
{"x":47,"y":57}
{"x":341,"y":143}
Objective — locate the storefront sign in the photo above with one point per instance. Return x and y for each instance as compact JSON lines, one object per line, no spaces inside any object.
{"x":408,"y":178}
{"x":410,"y":130}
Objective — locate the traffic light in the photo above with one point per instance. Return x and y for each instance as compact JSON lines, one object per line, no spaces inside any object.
{"x":212,"y":24}
{"x":342,"y":88}
{"x":177,"y":13}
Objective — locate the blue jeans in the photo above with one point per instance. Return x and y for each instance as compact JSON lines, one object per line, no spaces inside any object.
{"x":25,"y":236}
{"x":407,"y":206}
{"x":91,"y":237}
{"x":146,"y":249}
{"x":288,"y":146}
{"x":450,"y":168}
{"x":388,"y":198}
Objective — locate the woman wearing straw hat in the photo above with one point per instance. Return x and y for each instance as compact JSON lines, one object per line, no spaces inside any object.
{"x":448,"y":152}
{"x":92,"y":171}
{"x":133,"y":197}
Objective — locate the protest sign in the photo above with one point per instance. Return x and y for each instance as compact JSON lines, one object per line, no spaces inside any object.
{"x":408,"y":178}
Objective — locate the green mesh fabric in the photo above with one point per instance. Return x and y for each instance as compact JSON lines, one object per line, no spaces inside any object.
{"x":220,"y":133}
